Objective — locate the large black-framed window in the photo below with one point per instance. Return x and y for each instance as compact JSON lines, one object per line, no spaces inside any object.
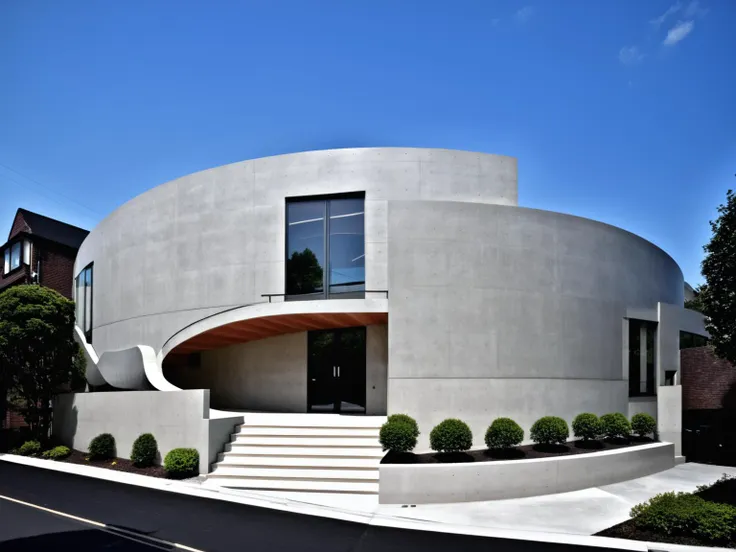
{"x":642,"y":344}
{"x":325,"y":247}
{"x":83,"y":296}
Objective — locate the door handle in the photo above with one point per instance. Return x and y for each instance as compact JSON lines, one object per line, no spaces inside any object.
{"x":338,"y":371}
{"x":334,"y":371}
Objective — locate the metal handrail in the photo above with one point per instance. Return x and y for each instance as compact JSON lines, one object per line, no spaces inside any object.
{"x":271,"y":295}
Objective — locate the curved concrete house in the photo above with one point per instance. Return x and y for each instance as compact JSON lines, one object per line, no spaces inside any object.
{"x":379,"y":280}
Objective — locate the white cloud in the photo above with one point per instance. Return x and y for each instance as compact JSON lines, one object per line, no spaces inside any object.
{"x":674,"y":8}
{"x":628,"y":55}
{"x":678,"y":32}
{"x":524,"y":14}
{"x":694,"y":10}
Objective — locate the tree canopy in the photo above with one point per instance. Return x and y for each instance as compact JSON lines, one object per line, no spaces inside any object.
{"x":38,"y":354}
{"x":718,"y":296}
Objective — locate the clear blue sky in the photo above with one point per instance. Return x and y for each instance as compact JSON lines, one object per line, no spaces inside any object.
{"x":619,"y":111}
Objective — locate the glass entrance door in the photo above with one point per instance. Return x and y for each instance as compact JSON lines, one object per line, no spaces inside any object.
{"x":336,"y":371}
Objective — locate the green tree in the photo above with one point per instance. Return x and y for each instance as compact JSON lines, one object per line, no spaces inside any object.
{"x":696,"y":303}
{"x":303,"y":272}
{"x":38,"y":354}
{"x":718,"y":296}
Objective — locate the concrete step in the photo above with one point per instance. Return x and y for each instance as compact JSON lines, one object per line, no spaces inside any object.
{"x":362,"y":487}
{"x":297,"y":461}
{"x":305,"y":441}
{"x":310,"y":420}
{"x":247,"y":449}
{"x":296,"y":431}
{"x":315,"y":474}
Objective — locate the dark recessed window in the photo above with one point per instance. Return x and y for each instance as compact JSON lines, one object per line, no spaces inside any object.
{"x":325,"y":247}
{"x":642,"y":346}
{"x":83,"y":297}
{"x":690,"y":340}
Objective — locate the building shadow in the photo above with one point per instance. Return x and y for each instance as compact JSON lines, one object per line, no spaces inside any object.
{"x":89,"y":540}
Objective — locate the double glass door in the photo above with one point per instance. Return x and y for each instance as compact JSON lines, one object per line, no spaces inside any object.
{"x":336,"y":371}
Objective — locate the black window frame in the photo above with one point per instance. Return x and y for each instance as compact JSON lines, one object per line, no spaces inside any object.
{"x":325,"y":293}
{"x":83,"y":325}
{"x":635,"y":354}
{"x":9,"y":248}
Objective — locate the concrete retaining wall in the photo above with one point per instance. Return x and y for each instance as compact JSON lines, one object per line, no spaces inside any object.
{"x":175,"y":418}
{"x":441,"y":483}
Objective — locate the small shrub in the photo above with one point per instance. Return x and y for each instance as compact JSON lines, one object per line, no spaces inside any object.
{"x":399,"y":434}
{"x":102,"y":447}
{"x":643,"y":424}
{"x":57,"y":453}
{"x":685,"y":514}
{"x":405,"y":418}
{"x":550,"y":430}
{"x":144,"y":450}
{"x":182,"y":462}
{"x":615,"y":425}
{"x":451,"y":435}
{"x":29,"y":448}
{"x":586,"y":426}
{"x":504,"y":433}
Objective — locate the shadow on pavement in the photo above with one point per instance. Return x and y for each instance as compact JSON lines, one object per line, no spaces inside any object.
{"x":89,"y":539}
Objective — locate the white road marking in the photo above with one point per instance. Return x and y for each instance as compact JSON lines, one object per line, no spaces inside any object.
{"x":131,"y":535}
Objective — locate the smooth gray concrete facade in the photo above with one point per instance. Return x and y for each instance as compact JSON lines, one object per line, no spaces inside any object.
{"x":493,"y":309}
{"x":215,"y":239}
{"x":478,"y":481}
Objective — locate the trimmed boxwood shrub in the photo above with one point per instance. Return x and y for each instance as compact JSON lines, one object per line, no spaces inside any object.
{"x":102,"y":447}
{"x":57,"y":453}
{"x":399,"y":433}
{"x":586,"y":426}
{"x":550,"y":430}
{"x":615,"y":425}
{"x":182,"y":462}
{"x":451,"y":435}
{"x":29,"y":448}
{"x":688,"y":515}
{"x":643,"y":424}
{"x":144,"y":450}
{"x":504,"y":433}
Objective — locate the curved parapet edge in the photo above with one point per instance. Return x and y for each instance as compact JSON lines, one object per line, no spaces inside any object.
{"x":92,"y":373}
{"x":126,"y":368}
{"x":266,"y":310}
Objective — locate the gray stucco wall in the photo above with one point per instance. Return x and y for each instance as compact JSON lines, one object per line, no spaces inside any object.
{"x":270,"y":375}
{"x":505,"y":311}
{"x":215,"y":239}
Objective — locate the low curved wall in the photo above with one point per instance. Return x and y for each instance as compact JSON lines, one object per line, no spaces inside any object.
{"x":442,"y":483}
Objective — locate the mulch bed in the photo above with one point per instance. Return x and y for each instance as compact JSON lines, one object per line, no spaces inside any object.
{"x":118,"y":464}
{"x":723,"y":491}
{"x":524,"y":452}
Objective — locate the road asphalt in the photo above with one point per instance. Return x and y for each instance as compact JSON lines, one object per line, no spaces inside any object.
{"x":201,"y":523}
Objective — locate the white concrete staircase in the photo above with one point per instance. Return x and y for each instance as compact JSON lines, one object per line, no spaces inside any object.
{"x":302,"y":452}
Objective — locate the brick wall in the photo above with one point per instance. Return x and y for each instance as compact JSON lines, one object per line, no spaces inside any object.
{"x":708,"y":382}
{"x":57,"y":267}
{"x":19,"y":225}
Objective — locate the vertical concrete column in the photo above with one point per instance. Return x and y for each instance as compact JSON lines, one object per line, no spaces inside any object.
{"x":669,"y":415}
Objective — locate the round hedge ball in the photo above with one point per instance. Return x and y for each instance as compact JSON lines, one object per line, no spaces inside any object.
{"x":451,"y":435}
{"x":504,"y":433}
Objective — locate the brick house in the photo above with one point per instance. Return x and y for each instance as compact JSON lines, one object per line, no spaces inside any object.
{"x":39,"y":250}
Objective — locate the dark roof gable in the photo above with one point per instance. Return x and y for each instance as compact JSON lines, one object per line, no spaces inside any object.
{"x":48,"y":228}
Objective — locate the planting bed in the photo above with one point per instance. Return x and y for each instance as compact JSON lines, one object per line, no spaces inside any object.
{"x":723,"y":492}
{"x":525,"y":452}
{"x":118,"y":464}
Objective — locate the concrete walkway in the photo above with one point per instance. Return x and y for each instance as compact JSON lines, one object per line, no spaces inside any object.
{"x":578,"y":513}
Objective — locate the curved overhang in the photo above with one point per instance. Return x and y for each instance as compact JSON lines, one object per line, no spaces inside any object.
{"x":262,"y":320}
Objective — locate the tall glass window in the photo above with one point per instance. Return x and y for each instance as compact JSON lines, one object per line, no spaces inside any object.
{"x":325,"y":247}
{"x":642,"y":374}
{"x":83,"y":296}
